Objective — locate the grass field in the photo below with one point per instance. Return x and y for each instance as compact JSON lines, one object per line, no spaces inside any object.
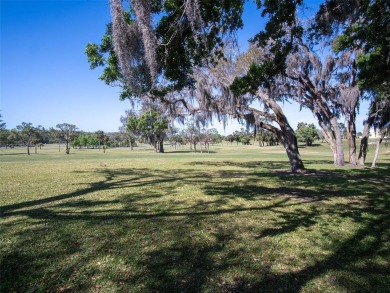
{"x":234,"y":220}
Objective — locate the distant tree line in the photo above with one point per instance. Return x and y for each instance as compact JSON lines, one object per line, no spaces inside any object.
{"x":64,"y":134}
{"x":146,"y":128}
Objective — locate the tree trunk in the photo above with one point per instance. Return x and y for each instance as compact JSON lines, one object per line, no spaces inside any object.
{"x":365,"y":136}
{"x":364,"y":144}
{"x":161,"y":143}
{"x":376,"y":153}
{"x":67,"y":148}
{"x":339,"y":158}
{"x":28,"y":149}
{"x":155,"y":145}
{"x":286,"y":135}
{"x":290,"y":143}
{"x":351,"y":136}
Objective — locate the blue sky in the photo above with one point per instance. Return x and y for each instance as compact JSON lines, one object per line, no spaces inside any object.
{"x":45,"y":77}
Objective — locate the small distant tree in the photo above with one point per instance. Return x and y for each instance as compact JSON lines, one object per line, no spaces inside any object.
{"x":4,"y":133}
{"x":13,"y":138}
{"x":174,"y":137}
{"x":343,"y":130}
{"x":2,"y":124}
{"x":266,"y":137}
{"x":82,"y":140}
{"x":245,"y":137}
{"x":260,"y":136}
{"x":132,"y":129}
{"x":67,"y":132}
{"x":192,"y":134}
{"x":229,"y":138}
{"x":307,"y":133}
{"x":27,"y":134}
{"x":100,"y":136}
{"x":55,"y":136}
{"x":213,"y":136}
{"x":39,"y":138}
{"x":151,"y":126}
{"x":93,"y":141}
{"x":236,"y":135}
{"x":378,"y":117}
{"x":106,"y":142}
{"x":116,"y":138}
{"x":128,"y":129}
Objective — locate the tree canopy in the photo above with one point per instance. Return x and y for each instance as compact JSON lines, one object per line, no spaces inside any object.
{"x":307,"y":133}
{"x":66,"y":133}
{"x":365,"y":25}
{"x":180,"y":54}
{"x":151,"y":126}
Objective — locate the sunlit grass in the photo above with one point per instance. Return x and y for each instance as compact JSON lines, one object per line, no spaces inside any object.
{"x":234,"y":220}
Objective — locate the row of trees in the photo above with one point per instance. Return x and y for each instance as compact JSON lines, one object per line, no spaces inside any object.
{"x":146,"y":128}
{"x":91,"y":140}
{"x":153,"y":128}
{"x":28,"y":135}
{"x":180,"y":57}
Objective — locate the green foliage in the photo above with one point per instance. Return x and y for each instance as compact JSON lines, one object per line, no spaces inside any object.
{"x":365,"y":26}
{"x":256,"y":76}
{"x":212,"y":135}
{"x":280,"y":14}
{"x":150,"y":126}
{"x":27,"y":134}
{"x":265,"y":137}
{"x":184,"y":45}
{"x":239,"y":136}
{"x":103,"y":139}
{"x":89,"y":140}
{"x":307,"y":133}
{"x":184,"y":49}
{"x":103,"y":55}
{"x":66,"y":133}
{"x":4,"y":133}
{"x":2,"y":124}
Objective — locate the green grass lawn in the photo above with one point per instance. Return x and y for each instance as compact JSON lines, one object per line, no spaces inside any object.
{"x":234,"y":220}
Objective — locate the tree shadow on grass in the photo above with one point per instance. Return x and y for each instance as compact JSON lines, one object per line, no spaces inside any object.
{"x":193,"y":247}
{"x":350,"y":262}
{"x":269,"y":165}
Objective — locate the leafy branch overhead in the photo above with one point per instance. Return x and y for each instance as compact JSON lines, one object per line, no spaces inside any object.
{"x":141,"y":58}
{"x":181,"y":55}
